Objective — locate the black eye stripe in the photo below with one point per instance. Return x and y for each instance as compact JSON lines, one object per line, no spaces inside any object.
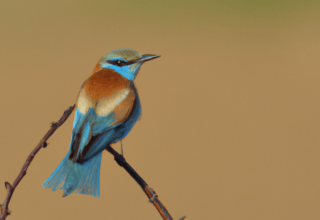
{"x":120,"y":62}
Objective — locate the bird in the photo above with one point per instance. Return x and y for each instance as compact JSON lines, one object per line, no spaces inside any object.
{"x":107,"y":108}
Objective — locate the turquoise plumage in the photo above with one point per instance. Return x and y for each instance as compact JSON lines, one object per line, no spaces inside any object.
{"x":107,"y":108}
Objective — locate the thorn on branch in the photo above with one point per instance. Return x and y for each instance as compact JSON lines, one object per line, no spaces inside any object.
{"x":55,"y":124}
{"x":8,"y":186}
{"x":8,"y":211}
{"x":44,"y":144}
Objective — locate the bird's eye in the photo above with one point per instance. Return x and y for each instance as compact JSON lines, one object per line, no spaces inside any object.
{"x":117,"y":62}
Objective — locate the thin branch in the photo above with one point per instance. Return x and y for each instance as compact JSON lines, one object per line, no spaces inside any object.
{"x":43,"y":143}
{"x":153,"y":197}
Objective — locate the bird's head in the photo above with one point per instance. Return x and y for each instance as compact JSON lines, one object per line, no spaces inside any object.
{"x":126,"y":62}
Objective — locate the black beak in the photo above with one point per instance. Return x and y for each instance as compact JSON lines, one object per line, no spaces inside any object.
{"x":147,"y":57}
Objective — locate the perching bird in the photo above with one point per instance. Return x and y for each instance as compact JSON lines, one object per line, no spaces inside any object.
{"x":107,"y":108}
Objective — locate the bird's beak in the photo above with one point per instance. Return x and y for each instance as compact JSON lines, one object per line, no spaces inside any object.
{"x":147,"y":57}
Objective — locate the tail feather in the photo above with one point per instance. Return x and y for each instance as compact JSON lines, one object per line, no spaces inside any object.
{"x":81,"y":178}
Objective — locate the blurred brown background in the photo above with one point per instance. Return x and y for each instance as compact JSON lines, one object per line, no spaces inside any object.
{"x":230,"y":112}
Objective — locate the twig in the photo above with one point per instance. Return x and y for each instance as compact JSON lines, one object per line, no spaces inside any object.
{"x":10,"y":188}
{"x":153,"y":197}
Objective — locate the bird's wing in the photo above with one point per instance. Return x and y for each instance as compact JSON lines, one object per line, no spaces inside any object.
{"x":125,"y":127}
{"x":96,"y":120}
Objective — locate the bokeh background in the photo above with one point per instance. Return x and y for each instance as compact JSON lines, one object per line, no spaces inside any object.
{"x":230,"y":112}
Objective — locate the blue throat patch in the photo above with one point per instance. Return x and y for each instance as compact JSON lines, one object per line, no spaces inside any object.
{"x":124,"y":71}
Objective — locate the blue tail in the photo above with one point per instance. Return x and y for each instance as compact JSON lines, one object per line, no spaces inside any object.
{"x":81,"y":178}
